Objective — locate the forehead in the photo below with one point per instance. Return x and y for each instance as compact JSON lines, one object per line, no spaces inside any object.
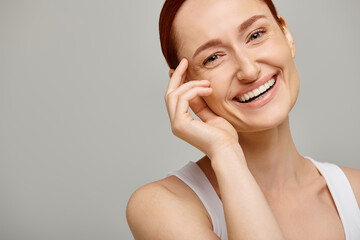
{"x":201,"y":20}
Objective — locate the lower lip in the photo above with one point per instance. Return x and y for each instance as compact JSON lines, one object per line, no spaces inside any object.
{"x":265,"y":98}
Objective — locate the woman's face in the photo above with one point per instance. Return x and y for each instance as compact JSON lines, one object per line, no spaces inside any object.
{"x":238,"y":46}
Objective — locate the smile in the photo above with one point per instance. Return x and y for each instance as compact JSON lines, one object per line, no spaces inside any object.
{"x":257,"y":94}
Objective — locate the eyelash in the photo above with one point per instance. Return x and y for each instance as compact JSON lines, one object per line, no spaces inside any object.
{"x":261,"y":30}
{"x":217,"y":55}
{"x":209,"y":58}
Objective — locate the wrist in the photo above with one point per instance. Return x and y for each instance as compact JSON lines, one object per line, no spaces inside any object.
{"x":229,"y":153}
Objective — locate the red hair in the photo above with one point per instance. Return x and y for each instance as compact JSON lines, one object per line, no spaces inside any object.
{"x":167,"y":16}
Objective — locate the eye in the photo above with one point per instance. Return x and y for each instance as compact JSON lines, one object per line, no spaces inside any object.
{"x":211,"y":59}
{"x":257,"y":34}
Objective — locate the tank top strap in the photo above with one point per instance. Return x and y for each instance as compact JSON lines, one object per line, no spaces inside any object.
{"x":343,"y":196}
{"x":194,"y":177}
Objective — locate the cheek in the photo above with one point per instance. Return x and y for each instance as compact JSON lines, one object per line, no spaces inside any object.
{"x":282,"y":58}
{"x":220,"y":91}
{"x":278,"y":52}
{"x":220,"y":78}
{"x":279,"y":55}
{"x":219,"y":82}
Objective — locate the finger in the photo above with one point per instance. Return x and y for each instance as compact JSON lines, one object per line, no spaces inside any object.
{"x":183,"y":102}
{"x":187,"y":86}
{"x":172,"y":98}
{"x":178,"y":76}
{"x":201,"y":109}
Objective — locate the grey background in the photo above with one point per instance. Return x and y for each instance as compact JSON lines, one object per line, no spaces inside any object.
{"x":83,"y":122}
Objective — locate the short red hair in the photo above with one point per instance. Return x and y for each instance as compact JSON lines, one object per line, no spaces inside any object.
{"x":167,"y":16}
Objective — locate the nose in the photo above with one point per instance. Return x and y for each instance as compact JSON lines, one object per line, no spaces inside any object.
{"x":248,"y":69}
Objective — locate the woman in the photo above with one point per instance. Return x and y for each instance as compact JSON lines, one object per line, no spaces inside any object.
{"x":237,"y":74}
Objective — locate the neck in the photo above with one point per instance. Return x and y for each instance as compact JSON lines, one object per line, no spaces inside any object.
{"x":272,"y":158}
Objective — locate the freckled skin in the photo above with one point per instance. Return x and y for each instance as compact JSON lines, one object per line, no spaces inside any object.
{"x":242,"y":61}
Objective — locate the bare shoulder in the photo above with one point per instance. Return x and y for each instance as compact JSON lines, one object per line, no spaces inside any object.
{"x":354,"y":178}
{"x":167,"y":209}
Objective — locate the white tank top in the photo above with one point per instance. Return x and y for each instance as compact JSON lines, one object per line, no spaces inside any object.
{"x":338,"y":184}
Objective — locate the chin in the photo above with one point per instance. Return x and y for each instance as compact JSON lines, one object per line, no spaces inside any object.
{"x":263,"y":125}
{"x":270,"y":118}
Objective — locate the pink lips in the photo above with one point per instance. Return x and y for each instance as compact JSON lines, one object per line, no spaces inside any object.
{"x":255,"y":85}
{"x":266,"y":97}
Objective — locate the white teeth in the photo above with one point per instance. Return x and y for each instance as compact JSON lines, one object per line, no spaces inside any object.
{"x":257,"y":91}
{"x":262,"y":88}
{"x":272,"y":81}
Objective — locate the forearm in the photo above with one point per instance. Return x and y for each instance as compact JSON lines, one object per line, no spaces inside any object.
{"x":247,"y":213}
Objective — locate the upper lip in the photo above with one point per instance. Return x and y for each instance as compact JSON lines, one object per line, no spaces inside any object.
{"x":254,"y":85}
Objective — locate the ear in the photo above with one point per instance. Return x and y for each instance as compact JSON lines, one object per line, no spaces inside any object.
{"x":288,"y":36}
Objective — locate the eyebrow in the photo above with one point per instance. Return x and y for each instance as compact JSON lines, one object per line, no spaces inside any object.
{"x":243,"y":26}
{"x":249,"y":22}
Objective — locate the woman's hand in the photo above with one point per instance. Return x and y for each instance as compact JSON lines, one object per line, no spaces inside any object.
{"x":211,"y":135}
